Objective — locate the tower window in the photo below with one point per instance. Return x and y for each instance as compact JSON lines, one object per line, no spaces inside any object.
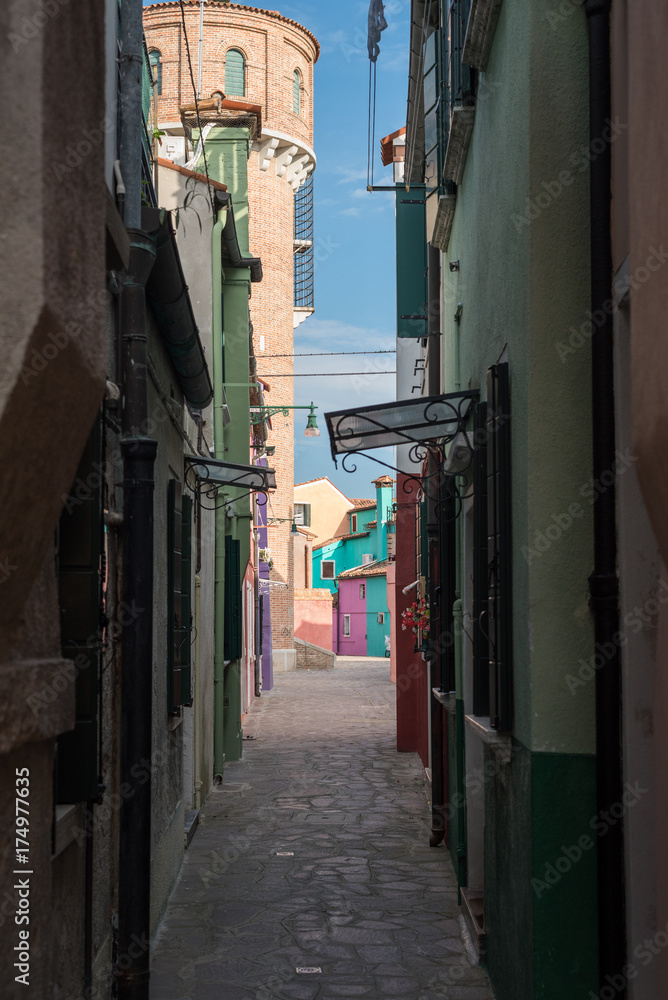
{"x":155,"y":60}
{"x":296,"y":92}
{"x":235,"y":73}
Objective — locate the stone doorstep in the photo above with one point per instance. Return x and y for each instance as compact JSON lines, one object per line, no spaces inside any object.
{"x":473,"y":921}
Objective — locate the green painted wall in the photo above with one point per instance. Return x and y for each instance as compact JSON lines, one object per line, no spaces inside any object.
{"x":227,"y":157}
{"x":521,"y":238}
{"x":522,"y":282}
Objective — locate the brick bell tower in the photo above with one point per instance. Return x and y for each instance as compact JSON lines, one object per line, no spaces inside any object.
{"x":264,"y":58}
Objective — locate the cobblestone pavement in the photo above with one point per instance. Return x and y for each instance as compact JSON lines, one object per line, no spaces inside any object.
{"x":314,"y":854}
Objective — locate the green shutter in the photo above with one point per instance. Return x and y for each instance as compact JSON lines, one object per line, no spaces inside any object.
{"x":175,"y":629}
{"x":235,"y":74}
{"x":499,"y":547}
{"x":186,"y":601}
{"x":233,"y":644}
{"x":480,"y":566}
{"x":307,"y":515}
{"x":411,"y":263}
{"x":296,"y":92}
{"x":447,"y":579}
{"x":80,"y":599}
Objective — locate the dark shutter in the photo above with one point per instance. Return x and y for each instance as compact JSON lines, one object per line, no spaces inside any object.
{"x":448,"y":559}
{"x":233,"y":619}
{"x":80,"y":600}
{"x":175,"y":629}
{"x":499,"y":548}
{"x":480,"y":563}
{"x":186,"y":601}
{"x":307,"y":515}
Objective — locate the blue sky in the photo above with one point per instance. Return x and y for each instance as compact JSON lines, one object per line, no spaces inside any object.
{"x":354,"y":230}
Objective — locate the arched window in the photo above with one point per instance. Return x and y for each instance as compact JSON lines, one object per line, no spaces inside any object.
{"x":296,"y":92}
{"x":235,"y":73}
{"x":155,"y":59}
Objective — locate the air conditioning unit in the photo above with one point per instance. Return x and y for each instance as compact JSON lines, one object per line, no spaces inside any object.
{"x":367,"y":558}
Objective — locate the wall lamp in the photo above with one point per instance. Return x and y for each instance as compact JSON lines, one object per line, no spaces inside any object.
{"x":261,"y":413}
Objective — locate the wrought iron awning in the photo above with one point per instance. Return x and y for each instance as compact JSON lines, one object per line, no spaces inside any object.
{"x":407,"y":422}
{"x":431,"y":427}
{"x":250,"y":477}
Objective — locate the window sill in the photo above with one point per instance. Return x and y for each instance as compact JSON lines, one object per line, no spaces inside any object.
{"x":500,"y":745}
{"x":446,"y":698}
{"x":480,"y":32}
{"x":461,"y":129}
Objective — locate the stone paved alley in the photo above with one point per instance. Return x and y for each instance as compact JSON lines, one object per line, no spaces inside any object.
{"x":314,"y":854}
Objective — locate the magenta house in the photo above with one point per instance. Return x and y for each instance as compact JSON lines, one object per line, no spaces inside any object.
{"x":350,"y":619}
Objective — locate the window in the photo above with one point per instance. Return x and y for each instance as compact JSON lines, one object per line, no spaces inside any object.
{"x":303,"y":514}
{"x":155,"y":59}
{"x":296,"y":91}
{"x":381,"y":618}
{"x":346,"y":624}
{"x":179,"y":597}
{"x":362,"y":591}
{"x":327,"y":569}
{"x":235,"y":73}
{"x":353,"y":523}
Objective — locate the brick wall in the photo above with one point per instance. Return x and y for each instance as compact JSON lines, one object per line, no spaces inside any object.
{"x":310,"y":657}
{"x":273,"y":46}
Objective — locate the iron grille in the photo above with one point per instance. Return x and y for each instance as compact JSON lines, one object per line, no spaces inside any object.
{"x":303,"y":247}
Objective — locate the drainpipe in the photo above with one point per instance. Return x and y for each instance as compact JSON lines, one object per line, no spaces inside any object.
{"x":603,"y":583}
{"x":139,"y":451}
{"x":437,"y":711}
{"x":220,"y":516}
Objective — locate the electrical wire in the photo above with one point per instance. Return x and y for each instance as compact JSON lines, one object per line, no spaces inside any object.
{"x":199,"y":123}
{"x":392,"y":371}
{"x":324,"y":354}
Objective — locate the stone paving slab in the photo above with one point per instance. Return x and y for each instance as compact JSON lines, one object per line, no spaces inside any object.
{"x":314,"y":853}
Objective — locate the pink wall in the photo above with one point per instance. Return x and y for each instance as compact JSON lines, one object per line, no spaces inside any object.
{"x":313,"y":617}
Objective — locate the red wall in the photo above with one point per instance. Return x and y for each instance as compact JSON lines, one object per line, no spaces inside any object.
{"x":412,"y":672}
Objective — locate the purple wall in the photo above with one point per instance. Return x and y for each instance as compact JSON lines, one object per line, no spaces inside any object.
{"x":265,"y":597}
{"x":350,"y":603}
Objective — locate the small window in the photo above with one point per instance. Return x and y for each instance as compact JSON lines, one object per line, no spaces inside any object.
{"x":362,"y":591}
{"x":346,"y":624}
{"x":235,"y":73}
{"x":353,"y":523}
{"x":327,"y":569}
{"x":303,"y":514}
{"x":296,"y":92}
{"x":155,"y":61}
{"x":381,"y":618}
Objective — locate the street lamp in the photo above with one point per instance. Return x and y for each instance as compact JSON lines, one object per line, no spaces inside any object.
{"x":312,"y":430}
{"x":258,"y":414}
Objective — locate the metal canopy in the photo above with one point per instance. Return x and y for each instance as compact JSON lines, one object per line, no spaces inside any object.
{"x":249,"y":477}
{"x":407,"y":422}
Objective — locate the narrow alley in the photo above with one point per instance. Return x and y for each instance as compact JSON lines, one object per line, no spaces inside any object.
{"x":311,"y":876}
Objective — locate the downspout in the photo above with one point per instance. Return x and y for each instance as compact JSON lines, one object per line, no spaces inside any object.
{"x":603,"y":582}
{"x":220,"y":517}
{"x":139,"y":451}
{"x":437,"y":711}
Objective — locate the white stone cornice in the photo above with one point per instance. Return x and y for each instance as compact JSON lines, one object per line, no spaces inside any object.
{"x":293,"y":158}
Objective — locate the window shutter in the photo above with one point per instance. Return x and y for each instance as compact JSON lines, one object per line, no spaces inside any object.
{"x":499,"y":548}
{"x":307,"y":515}
{"x":480,"y":563}
{"x":260,"y":636}
{"x":296,"y":91}
{"x":174,"y":597}
{"x":233,"y":620}
{"x":448,"y":583}
{"x":80,"y":600}
{"x":186,"y":600}
{"x":235,"y":74}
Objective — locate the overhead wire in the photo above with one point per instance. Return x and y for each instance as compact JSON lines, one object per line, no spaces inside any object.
{"x":369,"y":371}
{"x":324,"y":354}
{"x":199,"y":122}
